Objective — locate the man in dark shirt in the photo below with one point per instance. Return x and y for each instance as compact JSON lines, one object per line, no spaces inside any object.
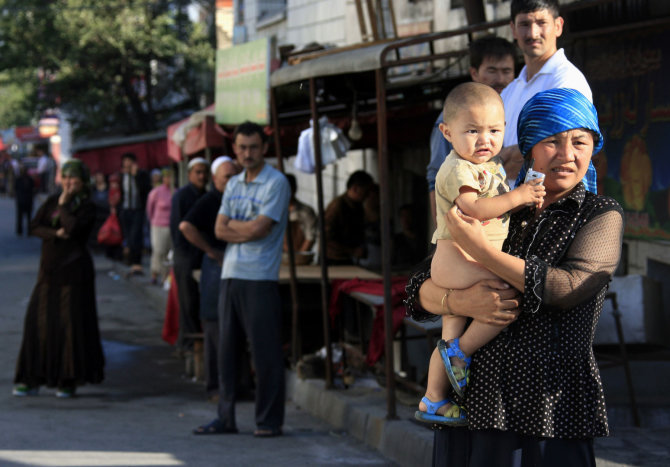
{"x":198,"y":228}
{"x":135,"y":187}
{"x":187,"y":257}
{"x":345,"y":221}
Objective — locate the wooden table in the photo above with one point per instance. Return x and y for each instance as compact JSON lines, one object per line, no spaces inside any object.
{"x":312,"y":273}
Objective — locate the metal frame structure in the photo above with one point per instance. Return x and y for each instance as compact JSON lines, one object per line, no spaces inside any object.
{"x":378,"y":59}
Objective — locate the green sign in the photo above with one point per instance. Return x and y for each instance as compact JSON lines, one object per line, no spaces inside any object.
{"x":242,"y":83}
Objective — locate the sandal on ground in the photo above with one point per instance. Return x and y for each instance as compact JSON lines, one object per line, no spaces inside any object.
{"x":458,"y":377}
{"x":215,"y":427}
{"x":66,"y":393}
{"x":267,"y":432}
{"x":454,"y":416}
{"x":23,"y":390}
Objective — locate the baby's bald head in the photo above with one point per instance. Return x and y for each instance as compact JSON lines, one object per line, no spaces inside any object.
{"x":467,"y":95}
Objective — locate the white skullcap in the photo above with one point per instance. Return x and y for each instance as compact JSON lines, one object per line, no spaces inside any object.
{"x":218,"y":161}
{"x":195,"y":161}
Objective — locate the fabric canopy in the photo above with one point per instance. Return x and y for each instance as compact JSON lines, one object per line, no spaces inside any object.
{"x":194,"y":134}
{"x":28,"y":134}
{"x":150,"y":154}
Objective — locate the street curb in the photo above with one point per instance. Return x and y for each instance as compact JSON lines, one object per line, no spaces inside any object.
{"x":362,"y":414}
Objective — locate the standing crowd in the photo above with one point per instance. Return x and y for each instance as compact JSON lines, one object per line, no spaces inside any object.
{"x":524,"y":251}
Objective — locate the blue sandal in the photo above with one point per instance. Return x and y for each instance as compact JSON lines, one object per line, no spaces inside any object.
{"x":455,"y":416}
{"x":458,"y":377}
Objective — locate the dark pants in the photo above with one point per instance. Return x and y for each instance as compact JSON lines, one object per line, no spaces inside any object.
{"x":132,"y":223}
{"x":23,"y":210}
{"x":251,"y":308}
{"x":189,"y":296}
{"x":210,"y":278}
{"x":460,"y":447}
{"x":210,"y":331}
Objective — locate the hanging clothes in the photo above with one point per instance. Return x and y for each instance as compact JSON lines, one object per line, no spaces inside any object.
{"x":334,"y":145}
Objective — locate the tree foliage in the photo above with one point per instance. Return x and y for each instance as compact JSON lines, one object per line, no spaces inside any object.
{"x":111,"y":65}
{"x":18,"y":98}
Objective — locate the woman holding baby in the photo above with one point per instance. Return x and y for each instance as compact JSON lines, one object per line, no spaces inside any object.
{"x":534,"y":395}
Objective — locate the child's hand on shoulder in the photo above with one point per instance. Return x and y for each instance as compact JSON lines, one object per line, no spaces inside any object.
{"x":531,"y":193}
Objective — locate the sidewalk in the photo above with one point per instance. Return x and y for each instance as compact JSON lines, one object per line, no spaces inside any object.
{"x":360,"y":410}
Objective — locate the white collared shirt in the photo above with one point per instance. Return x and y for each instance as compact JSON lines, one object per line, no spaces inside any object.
{"x":558,"y":72}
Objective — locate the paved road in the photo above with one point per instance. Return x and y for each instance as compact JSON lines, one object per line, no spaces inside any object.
{"x":143,"y":413}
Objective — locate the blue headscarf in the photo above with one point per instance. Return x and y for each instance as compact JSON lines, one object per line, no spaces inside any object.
{"x":555,"y":111}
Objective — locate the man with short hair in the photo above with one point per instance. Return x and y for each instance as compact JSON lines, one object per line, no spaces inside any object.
{"x":198,"y":228}
{"x":536,"y":26}
{"x":187,"y":257}
{"x":252,"y":220}
{"x":491,"y":63}
{"x":344,"y":221}
{"x":135,"y":187}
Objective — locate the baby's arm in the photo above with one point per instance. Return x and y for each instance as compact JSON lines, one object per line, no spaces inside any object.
{"x":490,"y":208}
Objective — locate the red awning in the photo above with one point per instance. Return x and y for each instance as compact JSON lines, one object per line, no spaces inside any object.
{"x":150,"y":154}
{"x":28,"y":134}
{"x":194,"y":134}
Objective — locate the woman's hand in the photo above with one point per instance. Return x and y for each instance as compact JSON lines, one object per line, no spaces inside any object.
{"x":466,"y":231}
{"x":61,"y":233}
{"x":490,"y":301}
{"x":69,"y":190}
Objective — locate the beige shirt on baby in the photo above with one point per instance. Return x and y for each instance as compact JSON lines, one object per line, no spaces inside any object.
{"x":487,"y":178}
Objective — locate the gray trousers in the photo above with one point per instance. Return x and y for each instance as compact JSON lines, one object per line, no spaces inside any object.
{"x":251,"y":309}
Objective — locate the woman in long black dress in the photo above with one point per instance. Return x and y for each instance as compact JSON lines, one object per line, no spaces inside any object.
{"x":61,"y":341}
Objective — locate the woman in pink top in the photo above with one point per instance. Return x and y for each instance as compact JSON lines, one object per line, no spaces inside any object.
{"x":158,"y":213}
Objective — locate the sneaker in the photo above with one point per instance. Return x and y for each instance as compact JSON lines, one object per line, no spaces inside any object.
{"x":22,"y":390}
{"x":65,"y":393}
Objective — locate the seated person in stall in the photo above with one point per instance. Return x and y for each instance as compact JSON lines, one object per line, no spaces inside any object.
{"x":345,"y":221}
{"x":302,"y":221}
{"x":471,"y":177}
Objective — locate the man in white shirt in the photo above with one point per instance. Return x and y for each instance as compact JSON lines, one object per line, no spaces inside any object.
{"x":535,"y":25}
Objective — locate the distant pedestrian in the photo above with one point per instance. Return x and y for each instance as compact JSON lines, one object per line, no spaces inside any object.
{"x":46,"y":168}
{"x":100,"y":197}
{"x":61,"y":341}
{"x":24,"y":191}
{"x":135,"y":187}
{"x":159,"y":204}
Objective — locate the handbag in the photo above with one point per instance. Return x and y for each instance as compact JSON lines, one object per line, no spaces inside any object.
{"x":110,"y":231}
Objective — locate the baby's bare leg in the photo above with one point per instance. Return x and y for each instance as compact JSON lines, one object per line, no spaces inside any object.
{"x":452,"y":268}
{"x":477,"y":335}
{"x":438,"y":383}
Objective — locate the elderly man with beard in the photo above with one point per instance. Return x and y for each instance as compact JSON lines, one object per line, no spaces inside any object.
{"x":187,"y":257}
{"x":198,"y":228}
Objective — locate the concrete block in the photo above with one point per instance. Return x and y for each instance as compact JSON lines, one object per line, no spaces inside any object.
{"x":362,"y":413}
{"x":407,"y":444}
